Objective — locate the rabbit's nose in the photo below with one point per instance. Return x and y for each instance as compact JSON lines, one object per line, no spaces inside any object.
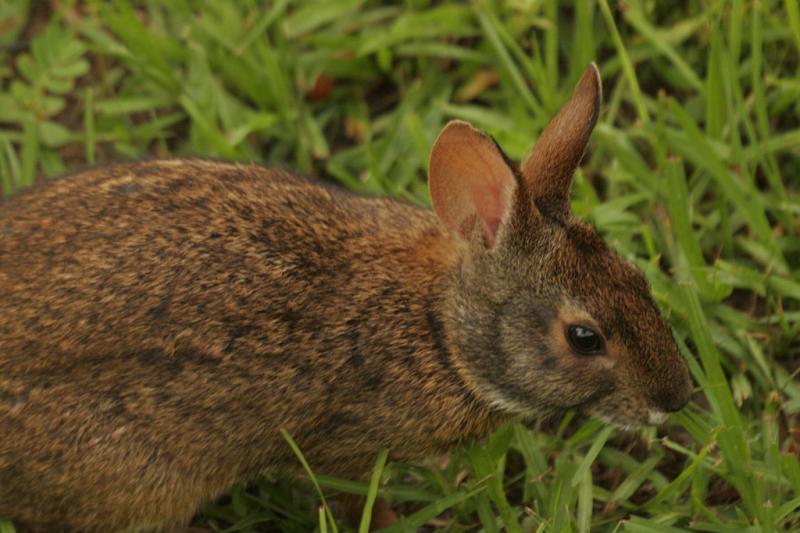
{"x":674,"y":398}
{"x":670,"y":387}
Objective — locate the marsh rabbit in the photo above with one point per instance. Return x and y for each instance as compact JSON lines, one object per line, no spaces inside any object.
{"x":162,"y":321}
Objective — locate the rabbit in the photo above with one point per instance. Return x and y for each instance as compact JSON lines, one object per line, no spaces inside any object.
{"x":163,"y":320}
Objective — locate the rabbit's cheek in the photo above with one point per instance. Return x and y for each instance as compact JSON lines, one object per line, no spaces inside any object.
{"x":540,"y":363}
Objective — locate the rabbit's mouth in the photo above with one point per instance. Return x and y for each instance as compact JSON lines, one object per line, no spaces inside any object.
{"x":630,"y":418}
{"x":656,"y":417}
{"x":626,"y":424}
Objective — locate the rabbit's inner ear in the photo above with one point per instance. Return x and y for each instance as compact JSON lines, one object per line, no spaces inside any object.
{"x":549,"y":168}
{"x":470,"y":181}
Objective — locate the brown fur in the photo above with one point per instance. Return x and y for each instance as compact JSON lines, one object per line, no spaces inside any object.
{"x":162,"y":321}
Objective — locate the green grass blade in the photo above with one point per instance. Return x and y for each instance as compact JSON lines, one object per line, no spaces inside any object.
{"x":591,"y":455}
{"x":89,"y":132}
{"x":636,"y":19}
{"x":627,"y":64}
{"x":585,"y":502}
{"x":488,"y":27}
{"x":431,"y":511}
{"x":793,"y":16}
{"x":484,"y":468}
{"x":372,"y":493}
{"x":327,"y":510}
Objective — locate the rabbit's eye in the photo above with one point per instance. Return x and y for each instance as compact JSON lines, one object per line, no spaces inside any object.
{"x":584,"y":340}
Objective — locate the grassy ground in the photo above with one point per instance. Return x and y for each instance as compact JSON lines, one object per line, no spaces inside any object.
{"x":693,"y":171}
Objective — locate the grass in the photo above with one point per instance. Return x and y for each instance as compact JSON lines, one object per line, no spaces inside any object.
{"x":693,"y":172}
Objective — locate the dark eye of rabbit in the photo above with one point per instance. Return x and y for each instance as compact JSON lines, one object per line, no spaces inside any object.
{"x":584,"y":340}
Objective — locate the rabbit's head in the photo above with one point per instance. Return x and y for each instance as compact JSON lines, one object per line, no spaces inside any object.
{"x":543,"y":314}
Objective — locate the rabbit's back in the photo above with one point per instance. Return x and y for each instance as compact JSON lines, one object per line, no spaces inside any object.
{"x":118,"y":251}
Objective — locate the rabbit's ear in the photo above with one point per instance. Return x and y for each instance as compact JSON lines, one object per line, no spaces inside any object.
{"x":470,"y":181}
{"x":549,"y":168}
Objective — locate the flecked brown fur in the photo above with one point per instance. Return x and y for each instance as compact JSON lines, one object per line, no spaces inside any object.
{"x":163,"y":320}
